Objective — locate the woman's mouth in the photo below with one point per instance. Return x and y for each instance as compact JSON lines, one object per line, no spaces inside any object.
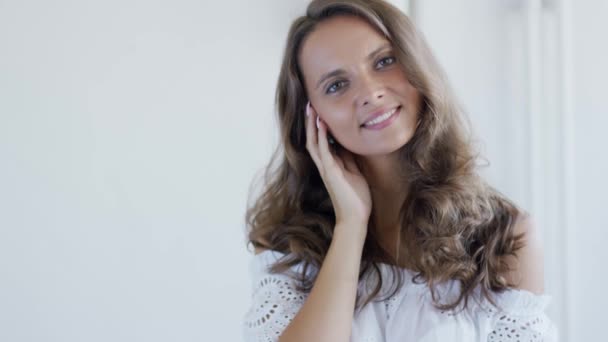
{"x":382,"y":120}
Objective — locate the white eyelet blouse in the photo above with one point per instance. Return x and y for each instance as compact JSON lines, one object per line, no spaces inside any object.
{"x":407,"y":316}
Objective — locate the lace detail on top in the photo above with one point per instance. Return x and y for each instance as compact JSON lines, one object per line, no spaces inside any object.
{"x":513,"y":328}
{"x":390,"y":305}
{"x":275,"y":302}
{"x":522,"y":318}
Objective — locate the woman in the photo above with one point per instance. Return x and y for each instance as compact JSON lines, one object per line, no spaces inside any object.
{"x":375,"y":226}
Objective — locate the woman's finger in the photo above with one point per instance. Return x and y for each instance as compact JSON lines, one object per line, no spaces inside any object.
{"x":311,"y":136}
{"x":324,"y":153}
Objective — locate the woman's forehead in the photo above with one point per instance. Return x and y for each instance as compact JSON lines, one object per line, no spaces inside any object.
{"x":337,"y":42}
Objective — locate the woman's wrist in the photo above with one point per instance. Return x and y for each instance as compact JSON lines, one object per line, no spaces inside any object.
{"x":354,"y":229}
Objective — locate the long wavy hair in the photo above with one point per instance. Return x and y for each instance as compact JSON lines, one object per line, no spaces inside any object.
{"x":454,"y":226}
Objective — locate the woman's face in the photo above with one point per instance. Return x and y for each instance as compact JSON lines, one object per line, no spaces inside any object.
{"x":351,"y":74}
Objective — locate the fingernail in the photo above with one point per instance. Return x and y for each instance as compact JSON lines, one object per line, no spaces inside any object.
{"x":317,"y":122}
{"x":308,"y":108}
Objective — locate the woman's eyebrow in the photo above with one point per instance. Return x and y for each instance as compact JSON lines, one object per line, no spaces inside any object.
{"x":341,"y":71}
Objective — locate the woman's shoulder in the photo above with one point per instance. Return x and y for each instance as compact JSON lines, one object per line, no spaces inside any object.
{"x":259,"y":250}
{"x":526,"y":269}
{"x":264,"y":259}
{"x":511,"y":300}
{"x":259,"y":245}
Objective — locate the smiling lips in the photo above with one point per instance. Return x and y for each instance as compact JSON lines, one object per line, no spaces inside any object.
{"x":382,"y":120}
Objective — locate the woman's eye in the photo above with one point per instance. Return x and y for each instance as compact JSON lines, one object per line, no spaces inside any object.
{"x":387,"y":61}
{"x":332,"y":88}
{"x":382,"y":63}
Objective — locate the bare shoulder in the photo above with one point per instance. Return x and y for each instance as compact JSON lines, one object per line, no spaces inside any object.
{"x":258,"y":250}
{"x":527,"y":269}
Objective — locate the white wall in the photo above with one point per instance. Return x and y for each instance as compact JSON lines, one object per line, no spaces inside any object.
{"x":130,"y":132}
{"x":589,"y":234}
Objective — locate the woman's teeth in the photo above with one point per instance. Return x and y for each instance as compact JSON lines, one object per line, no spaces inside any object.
{"x":380,"y":118}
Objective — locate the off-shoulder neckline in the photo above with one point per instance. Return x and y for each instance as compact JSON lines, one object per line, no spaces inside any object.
{"x":510,"y":296}
{"x":265,"y":253}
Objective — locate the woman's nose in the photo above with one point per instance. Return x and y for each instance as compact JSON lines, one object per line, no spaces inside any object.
{"x":371,"y":90}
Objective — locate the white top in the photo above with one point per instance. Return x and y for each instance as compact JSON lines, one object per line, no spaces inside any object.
{"x":407,"y":316}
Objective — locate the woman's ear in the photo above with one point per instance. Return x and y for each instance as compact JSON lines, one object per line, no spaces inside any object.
{"x":330,"y":137}
{"x":332,"y":141}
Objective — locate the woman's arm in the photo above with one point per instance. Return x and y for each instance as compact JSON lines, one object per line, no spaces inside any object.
{"x":327,"y":314}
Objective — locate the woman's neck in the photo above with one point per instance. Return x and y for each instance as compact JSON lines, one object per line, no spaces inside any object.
{"x":387,"y":186}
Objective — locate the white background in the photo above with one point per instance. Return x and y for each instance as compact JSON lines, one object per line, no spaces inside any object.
{"x":130,"y":132}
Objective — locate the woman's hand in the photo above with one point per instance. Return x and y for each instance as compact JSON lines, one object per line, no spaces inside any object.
{"x":348,"y":189}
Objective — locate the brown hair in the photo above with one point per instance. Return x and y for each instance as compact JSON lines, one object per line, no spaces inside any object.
{"x":454,"y":226}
